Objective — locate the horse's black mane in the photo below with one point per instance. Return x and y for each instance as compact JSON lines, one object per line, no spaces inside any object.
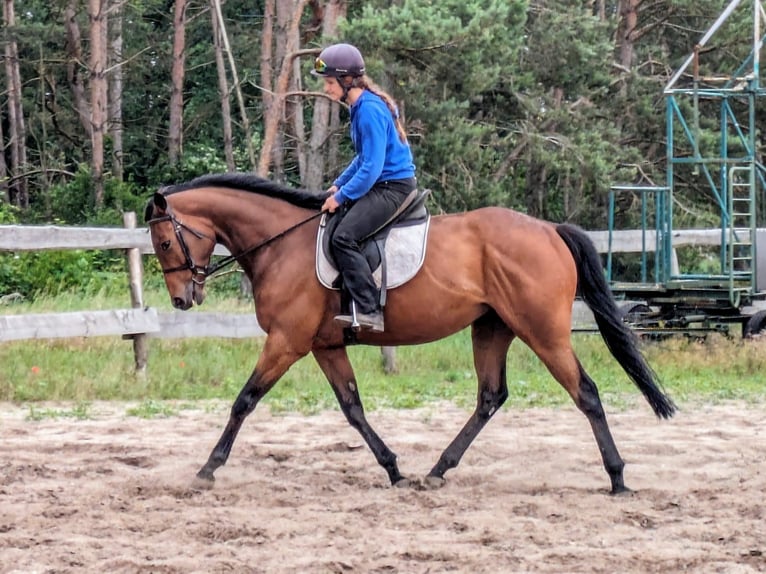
{"x":254,"y":184}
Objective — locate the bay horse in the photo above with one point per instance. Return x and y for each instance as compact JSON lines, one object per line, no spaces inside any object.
{"x":503,"y":273}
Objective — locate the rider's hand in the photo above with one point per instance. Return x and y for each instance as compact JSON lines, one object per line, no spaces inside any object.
{"x":331,"y":204}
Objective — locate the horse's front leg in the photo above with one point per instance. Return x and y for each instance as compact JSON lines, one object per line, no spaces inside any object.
{"x":276,"y":358}
{"x":337,"y":368}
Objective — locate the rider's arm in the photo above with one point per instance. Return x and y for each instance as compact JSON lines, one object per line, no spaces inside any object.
{"x":371,"y":156}
{"x":348,"y":173}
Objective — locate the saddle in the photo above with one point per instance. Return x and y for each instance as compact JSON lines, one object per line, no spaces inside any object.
{"x":395,"y":251}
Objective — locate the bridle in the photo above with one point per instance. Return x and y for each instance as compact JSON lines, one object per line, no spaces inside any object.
{"x":189,"y":264}
{"x":206,"y":271}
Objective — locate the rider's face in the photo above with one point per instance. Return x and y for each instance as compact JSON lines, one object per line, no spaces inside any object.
{"x":332,"y":89}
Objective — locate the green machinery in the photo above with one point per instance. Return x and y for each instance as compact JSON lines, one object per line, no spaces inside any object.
{"x":731,"y":289}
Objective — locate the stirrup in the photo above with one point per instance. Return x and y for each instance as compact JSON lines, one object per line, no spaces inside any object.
{"x":356,"y":321}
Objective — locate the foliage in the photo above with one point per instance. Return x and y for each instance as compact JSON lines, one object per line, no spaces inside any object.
{"x":73,"y":203}
{"x":9,"y":214}
{"x":34,"y":274}
{"x":448,"y":62}
{"x":521,"y":103}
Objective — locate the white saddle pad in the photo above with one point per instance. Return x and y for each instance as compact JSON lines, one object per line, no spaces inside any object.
{"x":405,"y":252}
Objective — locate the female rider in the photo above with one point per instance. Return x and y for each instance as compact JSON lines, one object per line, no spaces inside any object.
{"x":375,"y":183}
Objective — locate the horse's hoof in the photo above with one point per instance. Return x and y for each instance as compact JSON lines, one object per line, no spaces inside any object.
{"x":433,"y":482}
{"x":403,"y":483}
{"x":203,"y":481}
{"x":621,"y":491}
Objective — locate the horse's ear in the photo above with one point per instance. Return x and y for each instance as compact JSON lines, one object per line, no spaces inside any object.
{"x":160,"y":202}
{"x":157,"y":201}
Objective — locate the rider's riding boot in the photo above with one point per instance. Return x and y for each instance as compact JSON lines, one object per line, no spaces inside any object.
{"x":372,"y":321}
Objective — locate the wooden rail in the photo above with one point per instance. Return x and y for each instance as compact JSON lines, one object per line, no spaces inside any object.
{"x":47,"y":237}
{"x":138,"y":321}
{"x":128,"y":322}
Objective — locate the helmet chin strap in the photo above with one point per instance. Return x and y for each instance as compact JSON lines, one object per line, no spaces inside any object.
{"x":345,"y":89}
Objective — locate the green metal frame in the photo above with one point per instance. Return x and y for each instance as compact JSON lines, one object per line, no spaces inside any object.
{"x":723,"y":174}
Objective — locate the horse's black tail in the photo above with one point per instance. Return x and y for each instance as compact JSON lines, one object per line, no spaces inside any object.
{"x":620,"y":340}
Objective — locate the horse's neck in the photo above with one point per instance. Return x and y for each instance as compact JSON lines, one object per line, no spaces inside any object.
{"x":241,"y":223}
{"x":247,"y":224}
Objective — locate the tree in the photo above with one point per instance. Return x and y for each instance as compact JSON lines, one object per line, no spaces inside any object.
{"x":237,"y":88}
{"x":115,"y":90}
{"x":18,"y":192}
{"x":4,"y":188}
{"x":178,"y":69}
{"x":538,"y":105}
{"x":289,"y":41}
{"x":569,"y":144}
{"x":451,"y":66}
{"x":98,"y":94}
{"x":325,"y":118}
{"x":626,"y":30}
{"x":223,"y":87}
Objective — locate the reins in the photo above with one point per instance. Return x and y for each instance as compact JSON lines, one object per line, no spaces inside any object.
{"x":229,"y":259}
{"x":209,"y":270}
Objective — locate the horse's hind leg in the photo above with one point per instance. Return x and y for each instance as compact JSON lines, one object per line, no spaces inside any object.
{"x":337,"y":368}
{"x":567,"y":370}
{"x":491,"y":339}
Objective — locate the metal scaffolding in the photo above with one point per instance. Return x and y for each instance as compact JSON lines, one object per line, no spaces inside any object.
{"x":731,"y":172}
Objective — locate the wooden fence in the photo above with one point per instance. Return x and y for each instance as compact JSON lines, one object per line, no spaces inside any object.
{"x":139,"y":323}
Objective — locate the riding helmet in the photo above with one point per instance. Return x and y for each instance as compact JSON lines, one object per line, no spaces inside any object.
{"x":339,"y":60}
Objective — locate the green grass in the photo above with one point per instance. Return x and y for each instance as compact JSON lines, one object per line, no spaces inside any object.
{"x":95,"y":369}
{"x":80,"y":411}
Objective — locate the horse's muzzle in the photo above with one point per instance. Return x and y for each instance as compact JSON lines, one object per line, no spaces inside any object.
{"x":181,"y":303}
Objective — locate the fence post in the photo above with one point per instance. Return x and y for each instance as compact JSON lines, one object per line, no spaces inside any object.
{"x":388,"y":358}
{"x":136,"y":280}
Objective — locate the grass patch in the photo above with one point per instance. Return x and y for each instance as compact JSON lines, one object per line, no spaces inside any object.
{"x":80,"y":411}
{"x":150,"y":409}
{"x":101,"y":368}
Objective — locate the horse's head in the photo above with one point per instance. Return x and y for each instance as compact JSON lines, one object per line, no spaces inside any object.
{"x":184,"y":251}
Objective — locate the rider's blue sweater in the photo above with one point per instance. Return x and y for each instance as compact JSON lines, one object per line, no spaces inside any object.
{"x":380,"y":154}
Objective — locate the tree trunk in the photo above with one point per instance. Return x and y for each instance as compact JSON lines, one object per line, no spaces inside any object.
{"x":4,"y":189}
{"x":223,"y":88}
{"x":273,"y":117}
{"x":177,"y":72}
{"x":18,"y":191}
{"x":267,"y":56}
{"x":98,"y":94}
{"x":294,"y":118}
{"x":74,"y":62}
{"x":281,"y":50}
{"x":115,"y":92}
{"x":313,"y":176}
{"x":238,"y":90}
{"x":625,"y":29}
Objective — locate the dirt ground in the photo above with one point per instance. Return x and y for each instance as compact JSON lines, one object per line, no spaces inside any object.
{"x":304,"y":494}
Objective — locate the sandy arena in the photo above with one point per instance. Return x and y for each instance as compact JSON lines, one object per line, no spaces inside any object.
{"x":304,"y":494}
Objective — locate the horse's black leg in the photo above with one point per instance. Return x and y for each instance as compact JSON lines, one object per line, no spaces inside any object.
{"x":274,"y":361}
{"x":491,"y":339}
{"x":567,"y":370}
{"x":337,"y":368}
{"x":588,"y":401}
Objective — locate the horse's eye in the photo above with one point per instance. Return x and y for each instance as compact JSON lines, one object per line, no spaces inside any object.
{"x":165,"y":245}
